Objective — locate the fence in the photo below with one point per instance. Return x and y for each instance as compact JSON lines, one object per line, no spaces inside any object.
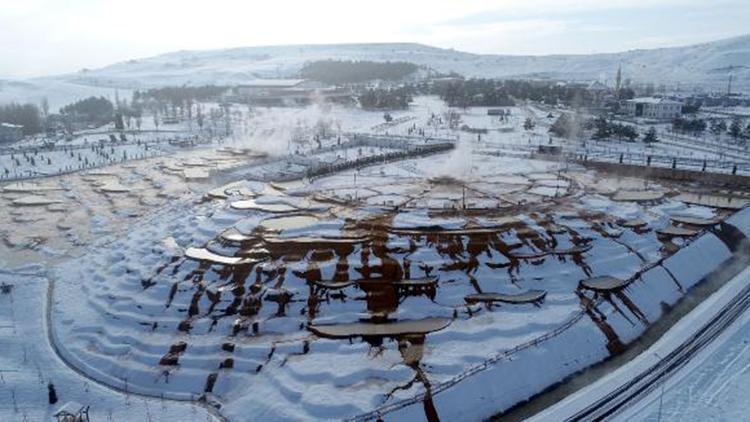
{"x":92,"y":166}
{"x":583,"y":154}
{"x":505,"y":354}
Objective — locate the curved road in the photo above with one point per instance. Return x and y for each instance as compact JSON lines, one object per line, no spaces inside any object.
{"x":650,"y":379}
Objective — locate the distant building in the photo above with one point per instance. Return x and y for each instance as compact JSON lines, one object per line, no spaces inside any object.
{"x":598,"y":87}
{"x":653,"y":108}
{"x":261,"y":87}
{"x":600,"y":92}
{"x":10,"y":133}
{"x":275,"y":92}
{"x":170,"y":120}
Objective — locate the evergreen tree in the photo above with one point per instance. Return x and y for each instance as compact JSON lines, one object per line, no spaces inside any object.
{"x":26,"y":115}
{"x":118,"y":121}
{"x":566,"y":126}
{"x":92,"y":110}
{"x":718,"y":127}
{"x":651,"y":136}
{"x":735,"y":129}
{"x":627,"y":132}
{"x":384,"y":99}
{"x":602,"y":129}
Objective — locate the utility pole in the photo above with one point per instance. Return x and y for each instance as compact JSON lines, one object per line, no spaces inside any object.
{"x":729,"y":86}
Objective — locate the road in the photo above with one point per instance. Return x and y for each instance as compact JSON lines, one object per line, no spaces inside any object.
{"x":670,"y":377}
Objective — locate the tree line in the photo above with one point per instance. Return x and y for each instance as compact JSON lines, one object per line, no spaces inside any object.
{"x":502,"y":93}
{"x":91,"y":111}
{"x":385,"y":98}
{"x":178,"y":95}
{"x":737,"y":129}
{"x":473,"y":93}
{"x":571,"y":126}
{"x":26,"y":115}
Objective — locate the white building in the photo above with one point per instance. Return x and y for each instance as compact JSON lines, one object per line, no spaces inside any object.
{"x":653,"y":108}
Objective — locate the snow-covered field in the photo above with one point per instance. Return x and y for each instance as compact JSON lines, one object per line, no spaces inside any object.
{"x":28,"y":364}
{"x":446,"y":285}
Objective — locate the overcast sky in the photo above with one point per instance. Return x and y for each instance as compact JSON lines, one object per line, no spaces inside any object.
{"x":41,"y":37}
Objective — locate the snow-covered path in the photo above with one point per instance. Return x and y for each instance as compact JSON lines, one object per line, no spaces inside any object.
{"x":710,"y":386}
{"x":28,"y":363}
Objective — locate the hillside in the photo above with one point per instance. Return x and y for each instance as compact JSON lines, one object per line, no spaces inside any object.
{"x":704,"y":65}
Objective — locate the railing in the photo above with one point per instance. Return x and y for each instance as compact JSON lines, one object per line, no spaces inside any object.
{"x":84,"y":167}
{"x":615,"y":155}
{"x":664,"y":161}
{"x":378,"y":413}
{"x":321,"y":170}
{"x":87,"y":145}
{"x":505,"y":354}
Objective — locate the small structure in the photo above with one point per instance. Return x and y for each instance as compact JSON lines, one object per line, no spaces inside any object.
{"x":695,"y":221}
{"x":6,"y":289}
{"x":72,"y":412}
{"x":10,"y":133}
{"x":389,"y":329}
{"x":259,"y":86}
{"x":674,"y":231}
{"x":654,"y":108}
{"x":598,"y":87}
{"x":600,"y":92}
{"x":603,"y":283}
{"x":532,"y":296}
{"x":170,"y":119}
{"x":633,"y":223}
{"x":550,"y":150}
{"x":277,"y":92}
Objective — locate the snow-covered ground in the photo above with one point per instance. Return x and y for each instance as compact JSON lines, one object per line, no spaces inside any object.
{"x":351,"y":294}
{"x":28,"y":364}
{"x":710,"y":386}
{"x":145,"y":314}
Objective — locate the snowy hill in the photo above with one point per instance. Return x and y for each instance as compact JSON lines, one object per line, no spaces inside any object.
{"x":706,"y":65}
{"x":57,"y":91}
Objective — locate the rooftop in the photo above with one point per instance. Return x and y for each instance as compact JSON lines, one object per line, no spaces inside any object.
{"x":272,"y":83}
{"x":598,"y":86}
{"x":653,"y":100}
